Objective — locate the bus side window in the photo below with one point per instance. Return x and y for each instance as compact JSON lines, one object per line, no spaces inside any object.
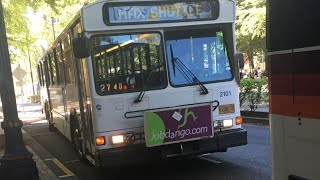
{"x":47,"y":71}
{"x":74,"y":34}
{"x":60,"y":68}
{"x":39,"y":74}
{"x":55,"y":65}
{"x":52,"y":68}
{"x":67,"y":60}
{"x":43,"y":77}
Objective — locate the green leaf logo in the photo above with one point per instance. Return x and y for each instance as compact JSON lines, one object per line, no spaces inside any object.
{"x":155,"y":128}
{"x":186,"y":114}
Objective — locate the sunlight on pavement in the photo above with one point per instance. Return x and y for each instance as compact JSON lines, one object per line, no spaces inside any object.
{"x":28,"y":113}
{"x":39,"y":122}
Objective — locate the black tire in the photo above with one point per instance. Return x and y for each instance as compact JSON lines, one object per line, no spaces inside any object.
{"x":46,"y":111}
{"x":76,"y":137}
{"x":51,"y":127}
{"x":48,"y":117}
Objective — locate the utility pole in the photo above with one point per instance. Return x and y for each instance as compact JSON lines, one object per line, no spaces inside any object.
{"x":16,"y":163}
{"x":31,"y":74}
{"x":52,"y":23}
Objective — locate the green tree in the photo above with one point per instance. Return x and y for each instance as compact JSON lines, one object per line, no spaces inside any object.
{"x":251,"y":93}
{"x":21,"y":37}
{"x":16,"y":26}
{"x":27,"y":34}
{"x":251,"y":27}
{"x":18,"y":33}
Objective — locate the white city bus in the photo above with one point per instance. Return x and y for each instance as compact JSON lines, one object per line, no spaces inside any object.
{"x":146,"y":78}
{"x":294,"y":61}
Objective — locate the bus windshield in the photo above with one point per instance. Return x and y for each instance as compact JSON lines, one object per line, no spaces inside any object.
{"x":203,"y":52}
{"x":128,"y":63}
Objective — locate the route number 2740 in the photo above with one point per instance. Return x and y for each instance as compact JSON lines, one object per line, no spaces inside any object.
{"x":108,"y":87}
{"x":225,"y":93}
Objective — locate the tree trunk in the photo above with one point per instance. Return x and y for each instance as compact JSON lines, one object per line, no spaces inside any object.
{"x":250,"y":58}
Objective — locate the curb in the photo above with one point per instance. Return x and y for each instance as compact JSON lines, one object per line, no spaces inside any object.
{"x":46,"y":170}
{"x":255,"y":117}
{"x":43,"y":154}
{"x":255,"y":120}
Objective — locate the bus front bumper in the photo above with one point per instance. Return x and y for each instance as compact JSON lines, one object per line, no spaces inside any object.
{"x":139,"y":152}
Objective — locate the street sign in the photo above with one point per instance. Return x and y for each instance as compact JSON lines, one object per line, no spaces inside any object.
{"x":19,"y":73}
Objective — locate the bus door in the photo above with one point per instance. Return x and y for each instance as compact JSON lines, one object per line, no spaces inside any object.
{"x":60,"y":92}
{"x":71,"y":99}
{"x":86,"y":101}
{"x":56,"y":90}
{"x":84,"y":96}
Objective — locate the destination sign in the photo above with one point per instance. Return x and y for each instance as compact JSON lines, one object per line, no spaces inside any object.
{"x":162,"y":12}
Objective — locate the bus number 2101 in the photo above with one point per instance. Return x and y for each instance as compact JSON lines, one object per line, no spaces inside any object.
{"x":225,"y":93}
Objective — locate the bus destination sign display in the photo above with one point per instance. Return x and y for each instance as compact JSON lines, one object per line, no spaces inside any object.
{"x":163,"y":12}
{"x":174,"y":125}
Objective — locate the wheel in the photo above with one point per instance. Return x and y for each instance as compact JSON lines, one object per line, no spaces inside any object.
{"x":76,"y":136}
{"x":48,"y":117}
{"x":46,"y":110}
{"x":51,"y":127}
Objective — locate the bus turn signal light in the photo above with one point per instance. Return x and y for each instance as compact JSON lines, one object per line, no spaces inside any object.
{"x":238,"y":120}
{"x":100,"y":141}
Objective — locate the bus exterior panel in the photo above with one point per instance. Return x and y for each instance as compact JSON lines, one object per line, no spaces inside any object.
{"x":294,"y":53}
{"x":108,"y":123}
{"x":294,"y":98}
{"x":57,"y":108}
{"x":124,"y":109}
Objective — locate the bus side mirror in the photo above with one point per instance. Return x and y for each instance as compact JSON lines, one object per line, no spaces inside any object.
{"x":240,"y":60}
{"x":81,"y":47}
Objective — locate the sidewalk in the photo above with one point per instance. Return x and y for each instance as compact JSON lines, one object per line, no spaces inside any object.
{"x":45,"y":173}
{"x":31,"y":113}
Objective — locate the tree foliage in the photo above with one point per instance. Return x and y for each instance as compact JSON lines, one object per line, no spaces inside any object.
{"x":251,"y":27}
{"x":253,"y":92}
{"x":16,"y":26}
{"x":21,"y":37}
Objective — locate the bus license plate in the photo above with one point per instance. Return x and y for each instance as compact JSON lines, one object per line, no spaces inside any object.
{"x":226,"y":109}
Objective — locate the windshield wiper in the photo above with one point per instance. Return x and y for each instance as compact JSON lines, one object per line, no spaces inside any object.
{"x":186,"y":72}
{"x":172,"y":61}
{"x":146,"y":85}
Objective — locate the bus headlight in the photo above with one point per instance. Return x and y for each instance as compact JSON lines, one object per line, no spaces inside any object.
{"x":227,"y":123}
{"x":117,"y":139}
{"x":217,"y":124}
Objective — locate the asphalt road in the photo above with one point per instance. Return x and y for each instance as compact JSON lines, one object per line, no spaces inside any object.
{"x":247,"y":162}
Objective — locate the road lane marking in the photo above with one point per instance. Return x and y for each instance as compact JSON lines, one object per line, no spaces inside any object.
{"x":64,"y":176}
{"x":72,"y":161}
{"x":210,"y":160}
{"x":40,"y":134}
{"x":47,"y":160}
{"x":62,"y":167}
